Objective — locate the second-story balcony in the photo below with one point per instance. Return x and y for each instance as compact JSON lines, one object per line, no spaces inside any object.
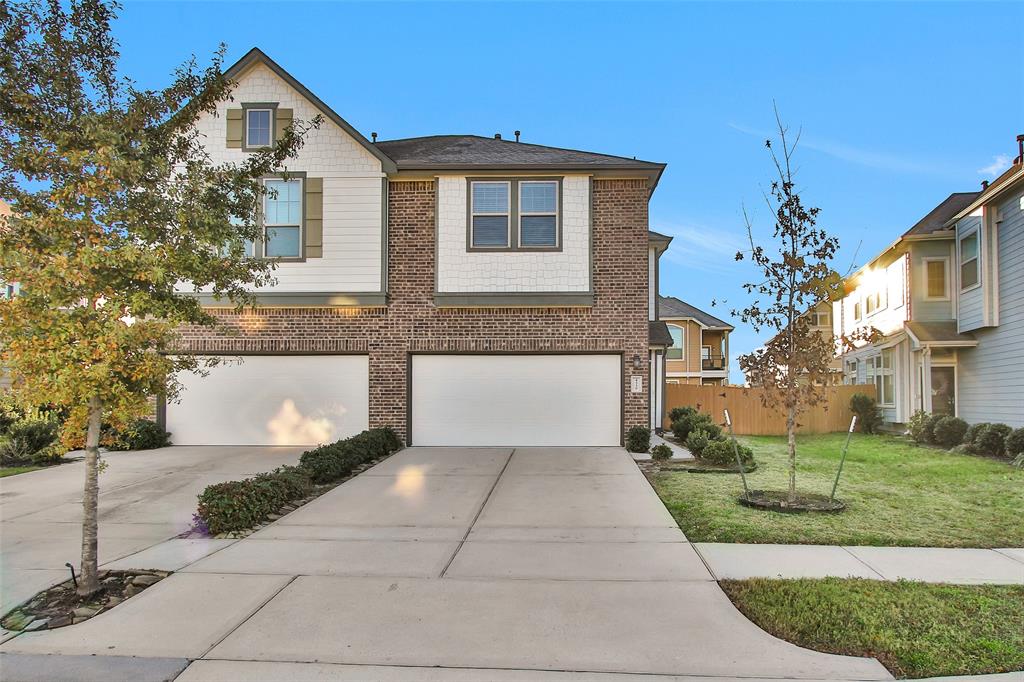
{"x":713,"y":363}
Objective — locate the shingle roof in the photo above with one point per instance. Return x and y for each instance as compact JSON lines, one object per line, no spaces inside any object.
{"x":468,"y":151}
{"x":670,"y":308}
{"x":942,"y":332}
{"x":937,"y":218}
{"x":658,"y":334}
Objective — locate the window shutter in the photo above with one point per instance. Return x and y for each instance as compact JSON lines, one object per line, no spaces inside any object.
{"x":234,"y":136}
{"x":314,"y":217}
{"x":282,"y":121}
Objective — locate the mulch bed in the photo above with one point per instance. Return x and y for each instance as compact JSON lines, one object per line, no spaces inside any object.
{"x":61,"y":605}
{"x":778,"y":500}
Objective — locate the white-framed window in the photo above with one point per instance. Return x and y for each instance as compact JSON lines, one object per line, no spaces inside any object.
{"x":538,"y":213}
{"x":259,"y":127}
{"x":880,"y":372}
{"x":936,"y":279}
{"x":282,"y":218}
{"x":675,"y":351}
{"x":969,"y":260}
{"x":705,"y":353}
{"x":490,"y":204}
{"x":851,"y":367}
{"x":858,"y":311}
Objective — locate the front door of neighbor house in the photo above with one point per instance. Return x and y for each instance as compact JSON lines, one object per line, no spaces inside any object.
{"x":944,"y":390}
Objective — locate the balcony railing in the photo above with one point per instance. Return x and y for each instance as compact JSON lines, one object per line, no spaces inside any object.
{"x":714,"y":362}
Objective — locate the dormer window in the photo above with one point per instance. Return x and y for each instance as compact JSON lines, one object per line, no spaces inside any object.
{"x":258,"y":127}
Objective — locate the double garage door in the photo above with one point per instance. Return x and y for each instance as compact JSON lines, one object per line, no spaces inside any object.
{"x":471,"y":400}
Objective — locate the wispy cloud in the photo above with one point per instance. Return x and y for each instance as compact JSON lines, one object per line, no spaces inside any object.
{"x":1000,"y":162}
{"x":856,"y":155}
{"x":699,"y":247}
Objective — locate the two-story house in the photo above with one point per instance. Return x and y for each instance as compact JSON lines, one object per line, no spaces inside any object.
{"x":907,"y":295}
{"x":464,"y":290}
{"x":988,"y":286}
{"x":699,"y":352}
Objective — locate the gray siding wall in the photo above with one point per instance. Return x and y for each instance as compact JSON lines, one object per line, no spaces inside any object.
{"x":921,"y":308}
{"x":992,"y":375}
{"x":970,"y":306}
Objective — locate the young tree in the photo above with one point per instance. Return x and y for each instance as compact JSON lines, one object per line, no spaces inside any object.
{"x":115,"y":203}
{"x":796,"y":274}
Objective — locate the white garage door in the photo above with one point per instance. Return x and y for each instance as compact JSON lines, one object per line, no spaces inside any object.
{"x":273,"y":400}
{"x":516,"y":399}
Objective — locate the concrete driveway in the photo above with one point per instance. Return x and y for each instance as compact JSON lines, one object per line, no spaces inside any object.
{"x":145,"y":498}
{"x":532,"y":563}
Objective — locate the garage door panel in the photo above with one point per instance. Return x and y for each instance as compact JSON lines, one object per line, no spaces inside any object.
{"x":273,"y":400}
{"x":543,"y":400}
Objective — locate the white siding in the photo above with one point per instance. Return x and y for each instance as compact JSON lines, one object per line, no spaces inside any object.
{"x":459,"y":270}
{"x":352,"y":190}
{"x":992,"y":375}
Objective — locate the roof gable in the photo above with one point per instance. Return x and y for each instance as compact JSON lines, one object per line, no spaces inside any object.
{"x":257,"y":56}
{"x":670,"y":307}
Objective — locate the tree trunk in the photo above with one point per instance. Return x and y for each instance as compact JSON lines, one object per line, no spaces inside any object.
{"x":791,"y":442}
{"x":88,"y":581}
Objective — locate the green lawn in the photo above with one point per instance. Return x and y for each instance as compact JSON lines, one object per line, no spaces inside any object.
{"x":896,"y":494}
{"x":11,"y":471}
{"x":914,"y":629}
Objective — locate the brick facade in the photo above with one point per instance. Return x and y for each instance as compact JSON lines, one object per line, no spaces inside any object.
{"x":411,"y":323}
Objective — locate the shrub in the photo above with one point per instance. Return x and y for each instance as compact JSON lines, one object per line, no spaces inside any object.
{"x":974,"y":431}
{"x":697,"y":441}
{"x":992,"y":440}
{"x":949,"y":431}
{"x":638,"y":439}
{"x":915,"y":427}
{"x":332,"y":461}
{"x":659,"y":453}
{"x":234,"y":505}
{"x":928,"y":430}
{"x":677,"y":413}
{"x":1015,"y":443}
{"x":1018,"y":461}
{"x":721,"y":452}
{"x":681,"y":429}
{"x":325,"y":463}
{"x":869,"y":416}
{"x":143,"y":434}
{"x":30,"y":439}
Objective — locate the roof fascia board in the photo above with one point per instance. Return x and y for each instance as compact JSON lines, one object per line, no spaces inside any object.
{"x":257,"y":56}
{"x":988,"y":195}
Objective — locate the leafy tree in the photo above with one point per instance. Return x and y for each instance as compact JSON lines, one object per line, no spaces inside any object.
{"x":115,"y":203}
{"x":796,"y":274}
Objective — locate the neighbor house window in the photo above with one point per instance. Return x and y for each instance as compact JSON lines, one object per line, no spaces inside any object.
{"x":282,"y":218}
{"x":851,"y":372}
{"x":675,"y":352}
{"x":935,"y":271}
{"x":258,"y":127}
{"x":821,"y":318}
{"x":969,"y":260}
{"x":538,"y":213}
{"x":489,"y":213}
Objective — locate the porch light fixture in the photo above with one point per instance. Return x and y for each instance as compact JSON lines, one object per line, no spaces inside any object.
{"x":636,"y":362}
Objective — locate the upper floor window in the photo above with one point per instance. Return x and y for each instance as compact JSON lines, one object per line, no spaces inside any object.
{"x":675,"y":352}
{"x":530,"y":206}
{"x":821,"y":318}
{"x":936,"y":278}
{"x":874,"y":302}
{"x":858,"y":311}
{"x":969,"y":260}
{"x":538,"y":213}
{"x":258,"y":127}
{"x":490,"y":214}
{"x":282,"y":218}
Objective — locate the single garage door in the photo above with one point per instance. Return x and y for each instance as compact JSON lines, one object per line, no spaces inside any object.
{"x":516,"y":399}
{"x":273,"y":400}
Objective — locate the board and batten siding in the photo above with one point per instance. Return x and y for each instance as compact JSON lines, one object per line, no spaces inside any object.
{"x":991,"y":375}
{"x":352,"y":190}
{"x":460,"y":270}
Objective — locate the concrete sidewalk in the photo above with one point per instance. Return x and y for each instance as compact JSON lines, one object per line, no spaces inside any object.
{"x":445,"y":563}
{"x":926,"y":564}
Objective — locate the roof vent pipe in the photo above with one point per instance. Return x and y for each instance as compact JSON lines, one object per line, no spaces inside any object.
{"x":518,"y":133}
{"x":984,"y":185}
{"x":374,"y":136}
{"x":497,"y":136}
{"x":1020,"y":149}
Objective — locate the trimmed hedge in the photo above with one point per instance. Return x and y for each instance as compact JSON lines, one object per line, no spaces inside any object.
{"x":1015,"y":443}
{"x":239,"y":505}
{"x":721,"y":452}
{"x":638,"y":439}
{"x":949,"y":431}
{"x":660,"y":453}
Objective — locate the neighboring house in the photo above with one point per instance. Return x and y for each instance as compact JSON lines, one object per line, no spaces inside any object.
{"x":699,"y":353}
{"x":820,"y":317}
{"x":907,"y":294}
{"x":464,"y":290}
{"x":988,"y":287}
{"x":7,"y":289}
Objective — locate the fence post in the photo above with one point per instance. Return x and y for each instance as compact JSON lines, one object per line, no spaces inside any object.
{"x":849,"y":435}
{"x":736,"y":451}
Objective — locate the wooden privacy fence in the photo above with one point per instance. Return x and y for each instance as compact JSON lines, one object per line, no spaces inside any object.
{"x":751,"y":418}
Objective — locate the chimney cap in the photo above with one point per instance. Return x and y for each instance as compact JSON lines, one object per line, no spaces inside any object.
{"x":518,"y":133}
{"x":374,"y":136}
{"x":984,"y":185}
{"x":497,"y":136}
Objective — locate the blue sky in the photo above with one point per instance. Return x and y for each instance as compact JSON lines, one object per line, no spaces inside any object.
{"x":900,"y":103}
